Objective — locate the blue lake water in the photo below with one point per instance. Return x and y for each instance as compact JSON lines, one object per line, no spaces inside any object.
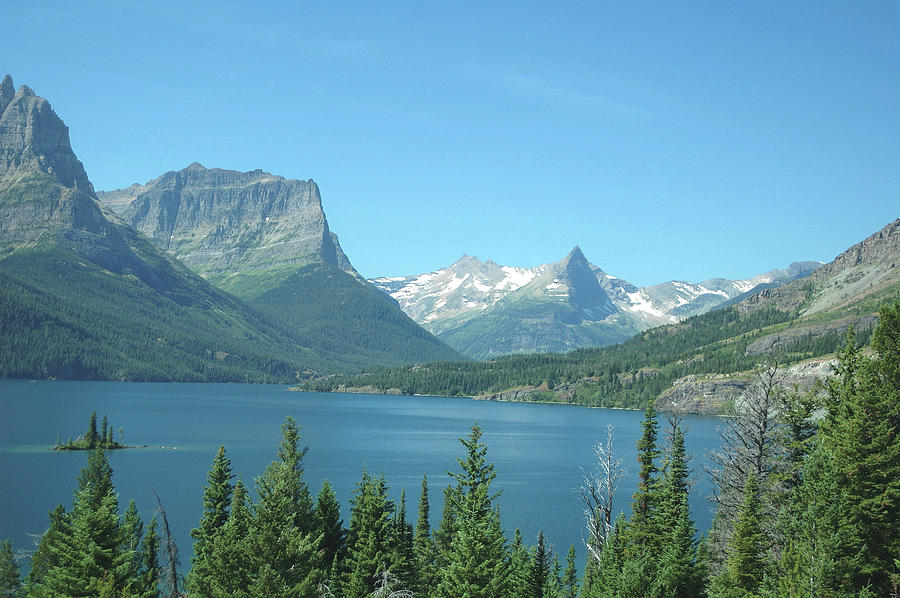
{"x":541,"y":452}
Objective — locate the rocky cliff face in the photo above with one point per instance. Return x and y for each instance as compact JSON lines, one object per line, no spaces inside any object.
{"x":868,"y":268}
{"x":224,"y":222}
{"x":44,"y":189}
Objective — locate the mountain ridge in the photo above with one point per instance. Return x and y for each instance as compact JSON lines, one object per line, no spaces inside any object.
{"x":464,"y":304}
{"x":266,"y":239}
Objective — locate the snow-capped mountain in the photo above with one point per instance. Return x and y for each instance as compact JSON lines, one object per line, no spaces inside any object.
{"x":444,"y":298}
{"x":484,"y":309}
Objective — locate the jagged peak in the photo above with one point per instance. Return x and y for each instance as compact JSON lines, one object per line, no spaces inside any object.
{"x":7,"y":91}
{"x":195,"y":166}
{"x":467,"y":260}
{"x":25,"y":92}
{"x":576,"y":258}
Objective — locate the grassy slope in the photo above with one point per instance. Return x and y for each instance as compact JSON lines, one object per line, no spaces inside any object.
{"x":342,"y":320}
{"x":61,"y":315}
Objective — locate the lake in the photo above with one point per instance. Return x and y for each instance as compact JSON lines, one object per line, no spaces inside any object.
{"x":541,"y":452}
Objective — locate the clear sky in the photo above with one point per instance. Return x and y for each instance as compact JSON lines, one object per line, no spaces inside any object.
{"x":670,"y":140}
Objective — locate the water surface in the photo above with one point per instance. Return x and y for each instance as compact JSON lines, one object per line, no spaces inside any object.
{"x":541,"y":452}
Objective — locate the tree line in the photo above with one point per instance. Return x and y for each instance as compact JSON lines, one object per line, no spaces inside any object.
{"x":807,"y":486}
{"x":627,"y":375}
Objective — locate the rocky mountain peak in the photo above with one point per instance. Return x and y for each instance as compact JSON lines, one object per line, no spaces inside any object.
{"x":33,"y":137}
{"x":44,"y":190}
{"x":7,"y":91}
{"x":222,"y":222}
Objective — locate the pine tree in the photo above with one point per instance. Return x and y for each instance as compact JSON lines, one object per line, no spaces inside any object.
{"x":216,"y":500}
{"x":104,"y":430}
{"x":92,"y":551}
{"x":403,"y":566}
{"x":10,"y":583}
{"x":90,"y":437}
{"x":330,"y":527}
{"x":570,"y":576}
{"x":49,"y":550}
{"x":147,"y":585}
{"x":477,"y":561}
{"x":231,"y":555}
{"x":423,"y":545}
{"x":745,"y":564}
{"x":370,"y":538}
{"x":280,"y":535}
{"x":540,"y":569}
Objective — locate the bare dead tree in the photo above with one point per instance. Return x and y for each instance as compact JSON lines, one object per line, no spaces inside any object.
{"x":383,"y":587}
{"x":749,"y":440}
{"x":169,"y":575}
{"x":750,"y":443}
{"x":597,"y":494}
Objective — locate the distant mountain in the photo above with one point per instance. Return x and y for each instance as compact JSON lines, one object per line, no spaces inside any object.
{"x":485,"y":310}
{"x":561,"y":308}
{"x":702,"y":364}
{"x":265,"y":239}
{"x":83,"y":295}
{"x":223,"y":223}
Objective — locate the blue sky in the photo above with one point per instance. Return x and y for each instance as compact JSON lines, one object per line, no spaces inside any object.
{"x":669,"y":140}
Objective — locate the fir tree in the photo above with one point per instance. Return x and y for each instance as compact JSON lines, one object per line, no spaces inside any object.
{"x":216,"y":500}
{"x":10,"y":583}
{"x":231,"y":555}
{"x":678,"y":573}
{"x":423,"y":545}
{"x":91,"y":437}
{"x":540,"y":569}
{"x":280,"y":536}
{"x":861,"y":433}
{"x":570,"y":576}
{"x":645,"y":498}
{"x":520,"y":564}
{"x":147,"y":585}
{"x":745,"y":564}
{"x":404,"y":562}
{"x":330,"y":527}
{"x":370,"y":538}
{"x":132,"y":529}
{"x":104,"y":431}
{"x":92,"y":551}
{"x":476,"y":564}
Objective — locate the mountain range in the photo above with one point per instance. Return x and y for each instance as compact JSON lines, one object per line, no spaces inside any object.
{"x":85,"y":294}
{"x":702,"y":364}
{"x":205,"y":274}
{"x":485,"y":310}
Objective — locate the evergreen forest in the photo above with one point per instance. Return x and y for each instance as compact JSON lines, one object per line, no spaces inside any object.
{"x":629,"y":375}
{"x":807,"y":486}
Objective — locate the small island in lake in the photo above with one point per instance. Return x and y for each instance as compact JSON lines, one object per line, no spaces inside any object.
{"x":92,"y":438}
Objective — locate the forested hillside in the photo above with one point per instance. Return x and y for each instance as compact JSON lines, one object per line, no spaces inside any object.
{"x":804,"y":319}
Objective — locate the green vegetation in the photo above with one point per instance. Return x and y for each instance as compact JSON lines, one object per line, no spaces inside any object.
{"x":92,"y":438}
{"x":807,"y":505}
{"x":631,"y":374}
{"x":345,"y":322}
{"x":62,"y":316}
